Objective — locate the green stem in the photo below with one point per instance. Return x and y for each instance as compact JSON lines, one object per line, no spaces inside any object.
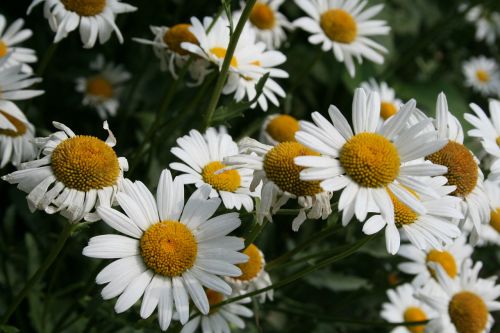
{"x":254,"y":232}
{"x":49,"y":260}
{"x":219,"y":85}
{"x":47,"y":57}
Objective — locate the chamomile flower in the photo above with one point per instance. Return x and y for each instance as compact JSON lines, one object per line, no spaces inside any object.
{"x":464,"y":302}
{"x":345,"y":27}
{"x":450,"y":258}
{"x":253,"y":274}
{"x":13,"y":83}
{"x":16,"y":135}
{"x":169,"y":250}
{"x":487,"y":23}
{"x":481,"y":74}
{"x":403,"y":307}
{"x":202,"y":157}
{"x":75,"y":174}
{"x":490,"y":233}
{"x":368,"y":162}
{"x":280,"y":177}
{"x":102,"y":90}
{"x":389,"y":104}
{"x":278,"y":128}
{"x":9,"y":40}
{"x":95,"y":19}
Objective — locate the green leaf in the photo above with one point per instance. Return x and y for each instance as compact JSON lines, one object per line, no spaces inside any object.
{"x":8,"y":329}
{"x":338,"y":281}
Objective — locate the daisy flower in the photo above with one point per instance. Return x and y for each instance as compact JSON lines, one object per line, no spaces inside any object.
{"x":403,"y":307}
{"x":102,"y":90}
{"x":280,"y":177}
{"x":369,"y":163}
{"x":487,"y":23}
{"x":75,"y":174}
{"x":278,"y":128}
{"x":490,"y":233}
{"x":253,"y":274}
{"x":9,"y":39}
{"x":169,"y":250}
{"x":464,"y":302}
{"x":463,"y":169}
{"x":13,"y":83}
{"x":450,"y":258}
{"x":344,"y":27}
{"x":221,"y":318}
{"x":389,"y":104}
{"x":16,"y":135}
{"x":202,"y":157}
{"x":481,"y":74}
{"x":95,"y":19}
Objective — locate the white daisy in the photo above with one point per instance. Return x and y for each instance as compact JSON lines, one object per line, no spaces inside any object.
{"x":169,"y":250}
{"x":102,"y":90}
{"x":450,"y":258}
{"x":370,"y":160}
{"x":280,"y":177}
{"x":202,"y":157}
{"x":16,"y":135}
{"x":490,"y":233}
{"x":344,"y":26}
{"x":487,"y":23}
{"x":403,"y":307}
{"x":463,"y":303}
{"x":9,"y":39}
{"x":278,"y":128}
{"x":481,"y":74}
{"x":13,"y":83}
{"x":75,"y":174}
{"x":389,"y":104}
{"x":96,"y":19}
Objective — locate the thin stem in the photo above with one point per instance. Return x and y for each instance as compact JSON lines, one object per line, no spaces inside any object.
{"x":44,"y":63}
{"x":214,"y":100}
{"x":254,"y":232}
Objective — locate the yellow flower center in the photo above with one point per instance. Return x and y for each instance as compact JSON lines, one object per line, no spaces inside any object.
{"x":387,"y":110}
{"x":220,"y":53}
{"x":370,"y":160}
{"x":282,"y":128}
{"x":495,"y":219}
{"x":483,"y":76}
{"x":415,"y":314}
{"x":402,"y":213}
{"x":3,"y":49}
{"x":468,"y":312}
{"x":228,"y":180}
{"x":253,"y":266}
{"x":339,"y":26}
{"x":19,"y":125}
{"x":85,"y":7}
{"x":462,"y":169}
{"x":99,"y":87}
{"x":282,"y":170}
{"x":85,"y":163}
{"x":262,"y":16}
{"x":177,"y":35}
{"x":213,"y":297}
{"x":169,"y":248}
{"x":498,"y":141}
{"x":445,"y":259}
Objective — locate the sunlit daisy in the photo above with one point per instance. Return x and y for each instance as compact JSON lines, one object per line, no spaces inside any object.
{"x":464,"y":303}
{"x":278,"y":128}
{"x":95,"y":18}
{"x":102,"y":90}
{"x":482,"y":75}
{"x":487,"y":23}
{"x":16,"y":135}
{"x":370,"y":163}
{"x":490,"y":233}
{"x":13,"y":83}
{"x":169,"y":250}
{"x":450,"y":258}
{"x":253,"y":274}
{"x":75,"y":174}
{"x":280,"y":177}
{"x":389,"y":104}
{"x":403,"y":307}
{"x":9,"y":40}
{"x":345,"y":27}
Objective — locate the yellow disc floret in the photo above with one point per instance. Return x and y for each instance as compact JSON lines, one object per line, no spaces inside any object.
{"x":177,"y":35}
{"x":280,"y":167}
{"x":402,"y":213}
{"x":3,"y":49}
{"x":18,"y":124}
{"x":443,"y":258}
{"x":483,"y":76}
{"x":415,"y":314}
{"x":169,"y":248}
{"x":85,"y":163}
{"x":498,"y":141}
{"x":282,"y":128}
{"x":85,"y":7}
{"x":228,"y":180}
{"x":262,"y":16}
{"x":253,"y":266}
{"x":100,"y":87}
{"x":387,"y":110}
{"x":495,"y":219}
{"x":220,"y":53}
{"x":339,"y":26}
{"x":468,"y":312}
{"x":462,"y":169}
{"x":370,"y":160}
